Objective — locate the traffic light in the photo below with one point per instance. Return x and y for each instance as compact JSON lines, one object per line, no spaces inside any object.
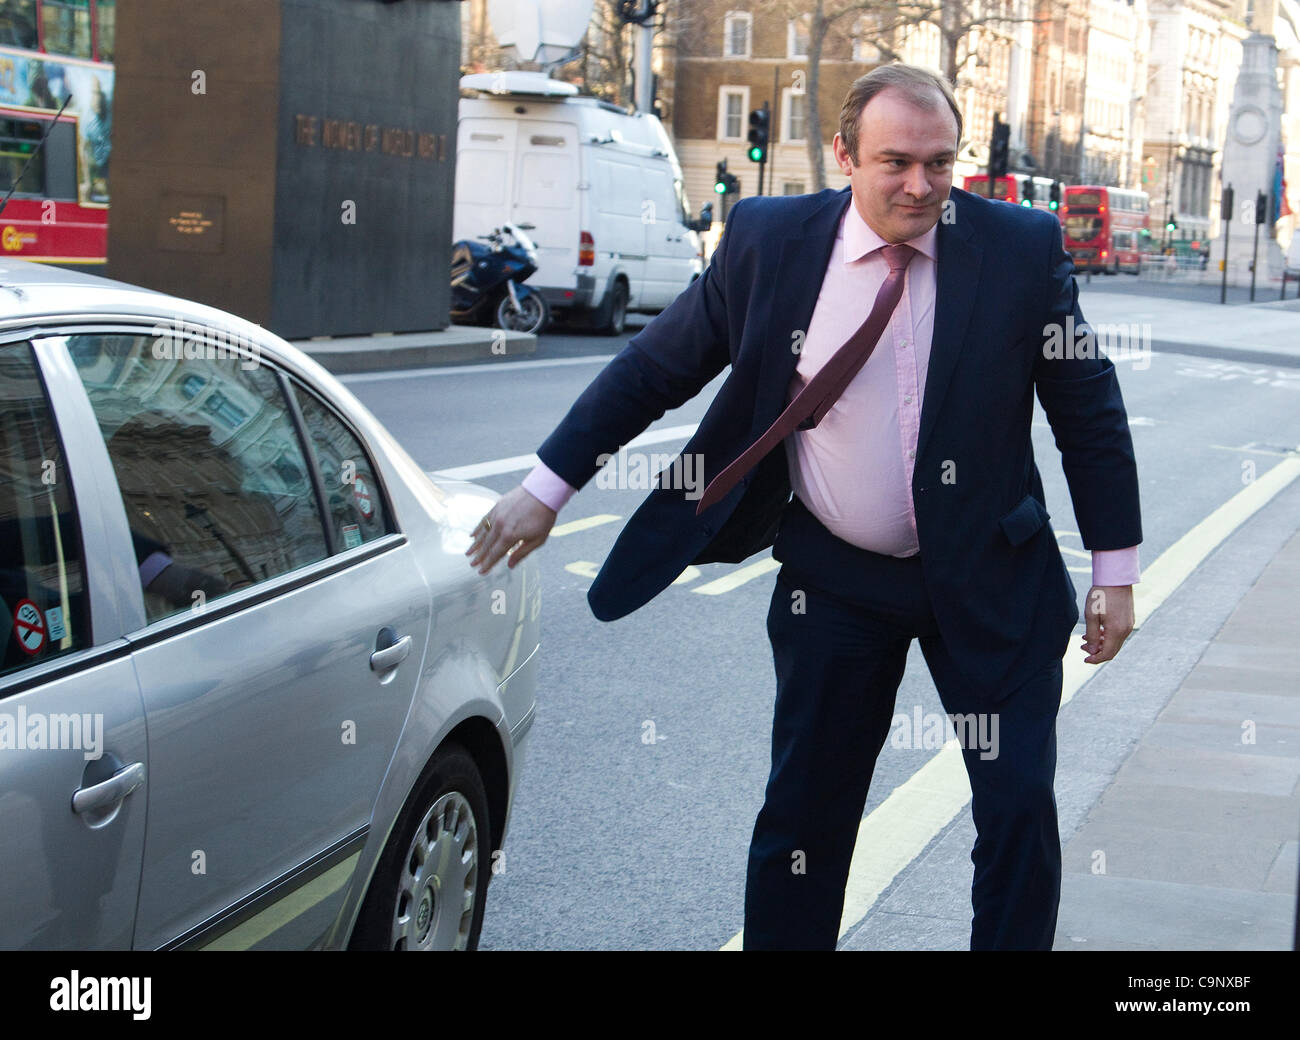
{"x":999,"y":149}
{"x":1225,"y":206}
{"x":759,"y":125}
{"x":1261,"y":208}
{"x":1028,"y":200}
{"x":1054,"y":196}
{"x":1171,"y":224}
{"x":725,"y":183}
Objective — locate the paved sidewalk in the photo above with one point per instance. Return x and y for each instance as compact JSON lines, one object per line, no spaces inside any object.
{"x":1194,"y":843}
{"x":1178,"y":776}
{"x":402,"y":350}
{"x":1256,"y":333}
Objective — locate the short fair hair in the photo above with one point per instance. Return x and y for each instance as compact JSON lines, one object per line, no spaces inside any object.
{"x":915,"y":83}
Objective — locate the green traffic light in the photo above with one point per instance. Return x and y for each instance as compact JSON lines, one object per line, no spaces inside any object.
{"x":756,"y":155}
{"x":1053,"y":205}
{"x":1027,"y":202}
{"x":720,"y":188}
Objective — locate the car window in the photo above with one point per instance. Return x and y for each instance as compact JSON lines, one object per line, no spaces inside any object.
{"x":353,"y":500}
{"x":217,"y":492}
{"x":42,"y":585}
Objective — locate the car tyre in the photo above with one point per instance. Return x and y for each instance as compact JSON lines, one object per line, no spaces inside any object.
{"x":430,"y":887}
{"x":613,"y":319}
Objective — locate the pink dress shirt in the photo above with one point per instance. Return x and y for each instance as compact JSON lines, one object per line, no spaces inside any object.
{"x":865,"y":496}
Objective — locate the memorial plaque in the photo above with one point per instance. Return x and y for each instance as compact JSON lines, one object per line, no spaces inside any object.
{"x":191,"y":223}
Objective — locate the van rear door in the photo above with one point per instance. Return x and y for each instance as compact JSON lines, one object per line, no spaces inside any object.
{"x":485,"y":149}
{"x":525,"y":171}
{"x":546,"y":195}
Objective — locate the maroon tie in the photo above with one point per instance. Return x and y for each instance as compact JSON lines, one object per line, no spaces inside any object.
{"x":812,"y":403}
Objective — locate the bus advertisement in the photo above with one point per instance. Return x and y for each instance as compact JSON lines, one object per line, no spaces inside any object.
{"x":52,"y":51}
{"x":1105,"y":227}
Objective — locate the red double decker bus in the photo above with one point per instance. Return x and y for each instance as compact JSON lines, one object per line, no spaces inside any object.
{"x":52,"y":51}
{"x":1017,"y":188}
{"x":1104,"y":227}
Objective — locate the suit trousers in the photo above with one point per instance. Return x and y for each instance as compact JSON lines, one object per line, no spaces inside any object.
{"x":841,"y":622}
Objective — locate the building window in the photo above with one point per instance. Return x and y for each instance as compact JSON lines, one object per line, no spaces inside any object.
{"x":797,"y":37}
{"x":793,"y":188}
{"x":737,"y":34}
{"x":732,"y":102}
{"x":794,"y":109}
{"x":866,"y":31}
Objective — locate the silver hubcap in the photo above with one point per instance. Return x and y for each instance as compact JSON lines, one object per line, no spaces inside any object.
{"x":438,"y":886}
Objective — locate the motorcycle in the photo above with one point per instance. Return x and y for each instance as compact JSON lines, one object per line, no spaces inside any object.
{"x":487,"y":281}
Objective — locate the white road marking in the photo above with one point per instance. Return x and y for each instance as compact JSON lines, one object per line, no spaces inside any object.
{"x":460,"y":370}
{"x":1252,"y":450}
{"x":516,"y":463}
{"x":895,"y":833}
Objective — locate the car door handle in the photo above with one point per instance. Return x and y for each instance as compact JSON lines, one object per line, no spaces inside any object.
{"x":108,"y":792}
{"x":390,"y":656}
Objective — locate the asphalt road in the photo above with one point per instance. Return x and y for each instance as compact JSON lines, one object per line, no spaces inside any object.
{"x":648,"y":759}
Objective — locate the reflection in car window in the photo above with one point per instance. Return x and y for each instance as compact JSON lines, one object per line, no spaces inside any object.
{"x":352,"y":495}
{"x":42,"y":589}
{"x":217,"y":492}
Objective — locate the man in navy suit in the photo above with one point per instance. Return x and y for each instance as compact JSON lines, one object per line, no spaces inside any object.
{"x":885,"y":342}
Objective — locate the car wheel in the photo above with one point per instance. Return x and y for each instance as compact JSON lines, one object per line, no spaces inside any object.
{"x":430,"y":886}
{"x":530,"y":316}
{"x":615,"y":312}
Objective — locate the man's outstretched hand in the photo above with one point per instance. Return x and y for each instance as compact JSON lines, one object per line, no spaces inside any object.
{"x":518,"y":521}
{"x":1109,"y":617}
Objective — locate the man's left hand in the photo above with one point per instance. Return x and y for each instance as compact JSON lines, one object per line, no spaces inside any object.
{"x":1109,"y":617}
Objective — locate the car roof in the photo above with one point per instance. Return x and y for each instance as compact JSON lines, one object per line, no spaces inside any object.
{"x":32,"y":292}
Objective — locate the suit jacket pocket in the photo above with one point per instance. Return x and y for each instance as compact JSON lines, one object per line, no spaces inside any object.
{"x":1025,"y":521}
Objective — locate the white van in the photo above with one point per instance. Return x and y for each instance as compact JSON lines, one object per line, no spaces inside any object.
{"x":602,"y":188}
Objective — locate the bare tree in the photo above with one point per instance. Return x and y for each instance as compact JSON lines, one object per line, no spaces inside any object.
{"x":886,"y":25}
{"x":821,"y":17}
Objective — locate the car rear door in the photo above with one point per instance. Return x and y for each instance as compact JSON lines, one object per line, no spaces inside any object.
{"x":270,"y":577}
{"x":73,"y":754}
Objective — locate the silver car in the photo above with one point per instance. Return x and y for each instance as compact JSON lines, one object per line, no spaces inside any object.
{"x":252,"y":693}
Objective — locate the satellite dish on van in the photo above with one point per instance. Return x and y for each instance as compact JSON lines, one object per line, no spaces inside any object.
{"x":539,"y":31}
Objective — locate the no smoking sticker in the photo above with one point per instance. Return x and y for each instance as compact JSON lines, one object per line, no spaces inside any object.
{"x":29,"y":627}
{"x":361,"y":492}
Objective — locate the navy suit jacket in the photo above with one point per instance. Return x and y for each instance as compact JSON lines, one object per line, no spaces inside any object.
{"x":1003,"y":600}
